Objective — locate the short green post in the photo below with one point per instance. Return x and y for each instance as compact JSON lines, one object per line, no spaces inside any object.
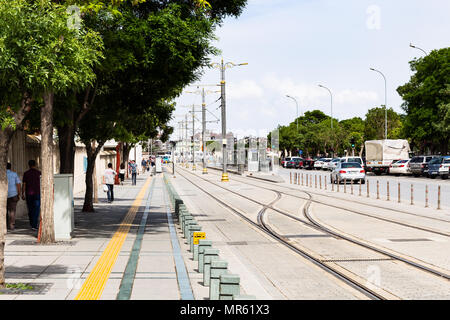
{"x":186,"y":220}
{"x":229,"y":286}
{"x":202,"y":245}
{"x":218,"y":268}
{"x":209,"y":255}
{"x":192,"y":229}
{"x":186,"y":228}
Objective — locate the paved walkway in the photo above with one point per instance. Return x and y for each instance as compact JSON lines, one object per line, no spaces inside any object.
{"x":128,"y":249}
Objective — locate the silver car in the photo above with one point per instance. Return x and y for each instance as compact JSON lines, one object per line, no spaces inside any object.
{"x":348,"y":171}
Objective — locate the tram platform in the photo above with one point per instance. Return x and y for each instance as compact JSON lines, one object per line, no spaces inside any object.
{"x":130,"y":249}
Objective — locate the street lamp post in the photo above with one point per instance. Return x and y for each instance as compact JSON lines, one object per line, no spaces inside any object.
{"x":415,"y":47}
{"x":385,"y":101}
{"x":223,"y":66}
{"x":297,"y":107}
{"x":331,"y":95}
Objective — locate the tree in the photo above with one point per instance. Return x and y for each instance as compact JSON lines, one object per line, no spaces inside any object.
{"x":426,"y":102}
{"x":40,"y":56}
{"x":375,"y":124}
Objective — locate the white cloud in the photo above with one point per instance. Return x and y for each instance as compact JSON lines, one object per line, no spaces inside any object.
{"x":244,"y":89}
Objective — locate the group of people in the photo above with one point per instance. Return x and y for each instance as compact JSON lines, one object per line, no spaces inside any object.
{"x":29,"y":189}
{"x":109,"y":175}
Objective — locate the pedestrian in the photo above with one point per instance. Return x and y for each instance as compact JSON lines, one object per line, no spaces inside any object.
{"x":14,"y":190}
{"x":144,"y":165}
{"x":108,"y":179}
{"x":31,"y":192}
{"x":122,"y":173}
{"x":133,"y":170}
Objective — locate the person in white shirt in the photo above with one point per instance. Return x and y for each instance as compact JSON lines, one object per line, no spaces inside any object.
{"x":14,"y":189}
{"x":122,"y":173}
{"x":108,"y":179}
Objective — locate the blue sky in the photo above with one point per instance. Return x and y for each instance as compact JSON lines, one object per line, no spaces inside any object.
{"x":292,"y":46}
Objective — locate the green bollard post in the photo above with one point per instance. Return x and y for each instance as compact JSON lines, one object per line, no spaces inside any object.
{"x":209,"y":255}
{"x":202,"y":245}
{"x":229,"y":286}
{"x":218,"y":268}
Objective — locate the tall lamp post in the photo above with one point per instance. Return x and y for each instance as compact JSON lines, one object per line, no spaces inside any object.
{"x":415,"y":47}
{"x":223,"y":66}
{"x":331,"y":95}
{"x":385,"y":101}
{"x":297,"y":107}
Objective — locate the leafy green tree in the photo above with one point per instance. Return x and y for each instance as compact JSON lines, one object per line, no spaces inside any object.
{"x":426,"y":102}
{"x":375,"y":124}
{"x":40,"y":55}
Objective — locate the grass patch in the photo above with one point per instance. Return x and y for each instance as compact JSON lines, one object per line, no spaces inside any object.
{"x":19,"y":286}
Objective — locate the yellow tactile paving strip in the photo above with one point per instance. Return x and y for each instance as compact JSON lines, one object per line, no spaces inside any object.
{"x":93,"y":286}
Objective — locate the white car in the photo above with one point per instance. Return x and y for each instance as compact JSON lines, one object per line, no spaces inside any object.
{"x":444,"y":169}
{"x":348,"y":171}
{"x":318,"y":164}
{"x":332,"y":164}
{"x":352,"y":159}
{"x":400,"y":167}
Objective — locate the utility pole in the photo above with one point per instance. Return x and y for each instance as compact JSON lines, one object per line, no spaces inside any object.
{"x":193,"y":138}
{"x":222,"y":68}
{"x":185,"y":133}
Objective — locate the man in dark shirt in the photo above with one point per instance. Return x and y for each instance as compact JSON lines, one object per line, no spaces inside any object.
{"x":31,"y":192}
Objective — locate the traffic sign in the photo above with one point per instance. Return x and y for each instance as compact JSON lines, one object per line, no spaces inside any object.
{"x":198,"y":235}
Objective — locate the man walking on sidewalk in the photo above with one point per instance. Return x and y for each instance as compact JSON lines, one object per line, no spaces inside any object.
{"x":14,"y":185}
{"x":31,"y":192}
{"x":144,"y":165}
{"x":133,"y":169}
{"x":108,"y":179}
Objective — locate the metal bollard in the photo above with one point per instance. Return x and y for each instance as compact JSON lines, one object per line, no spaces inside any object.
{"x":310,"y":181}
{"x":298,"y":179}
{"x":218,"y":268}
{"x":202,"y":245}
{"x":368,"y":182}
{"x":360,"y":187}
{"x":325,"y":182}
{"x":306,"y":179}
{"x":439,"y":198}
{"x":338,"y":184}
{"x":229,"y":286}
{"x":378,"y":189}
{"x":412,"y":194}
{"x":295,"y":177}
{"x":399,"y":192}
{"x":345,"y":185}
{"x":320,"y":182}
{"x":351,"y":187}
{"x":315,"y":181}
{"x":426,"y":196}
{"x":332,"y":184}
{"x":192,"y":229}
{"x":387,"y":191}
{"x":290,"y":177}
{"x":302,"y":178}
{"x":209,"y":255}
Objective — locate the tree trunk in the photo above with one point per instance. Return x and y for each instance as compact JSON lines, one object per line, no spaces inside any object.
{"x":66,"y":135}
{"x":4,"y":146}
{"x":92,"y":153}
{"x":94,"y":177}
{"x":126,"y":156}
{"x":47,"y":180}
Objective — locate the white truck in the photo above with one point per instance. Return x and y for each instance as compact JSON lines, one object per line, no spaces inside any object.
{"x":381,"y":153}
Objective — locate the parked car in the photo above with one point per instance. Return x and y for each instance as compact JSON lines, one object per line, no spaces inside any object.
{"x":353,"y":159}
{"x":400,"y":167}
{"x":419,"y":165}
{"x":293,"y":162}
{"x":444,"y":168}
{"x":320,"y":162}
{"x":435,"y":164}
{"x":308,"y":164}
{"x":332,"y":164}
{"x":348,"y":171}
{"x":284,"y":161}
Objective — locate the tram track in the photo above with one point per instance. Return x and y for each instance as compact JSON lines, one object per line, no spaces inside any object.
{"x":264,"y":227}
{"x":310,"y":198}
{"x":310,"y":222}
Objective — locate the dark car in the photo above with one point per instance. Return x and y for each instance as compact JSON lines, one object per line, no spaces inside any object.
{"x":308,"y":164}
{"x":293,"y":162}
{"x":435,"y":164}
{"x":419,"y":165}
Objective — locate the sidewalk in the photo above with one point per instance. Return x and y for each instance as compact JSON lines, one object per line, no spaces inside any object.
{"x":123,"y":250}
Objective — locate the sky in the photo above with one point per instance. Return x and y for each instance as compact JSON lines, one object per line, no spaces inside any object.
{"x":293,"y":46}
